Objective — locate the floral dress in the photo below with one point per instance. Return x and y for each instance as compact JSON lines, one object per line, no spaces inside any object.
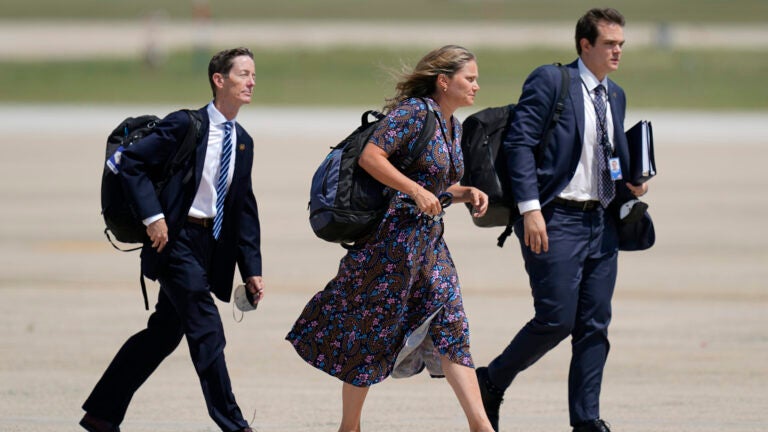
{"x":395,"y":305}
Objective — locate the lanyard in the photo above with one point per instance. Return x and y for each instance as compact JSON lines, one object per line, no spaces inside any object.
{"x":603,"y":126}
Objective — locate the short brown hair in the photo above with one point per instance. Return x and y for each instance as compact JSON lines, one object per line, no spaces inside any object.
{"x":586,"y":27}
{"x":222,"y":62}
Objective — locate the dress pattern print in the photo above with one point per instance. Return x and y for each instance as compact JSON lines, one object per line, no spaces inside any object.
{"x":393,"y":280}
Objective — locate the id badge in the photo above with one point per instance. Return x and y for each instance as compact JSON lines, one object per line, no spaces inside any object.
{"x":615,"y":167}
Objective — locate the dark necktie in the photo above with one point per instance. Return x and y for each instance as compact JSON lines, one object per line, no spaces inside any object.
{"x":606,"y":189}
{"x":221,"y":184}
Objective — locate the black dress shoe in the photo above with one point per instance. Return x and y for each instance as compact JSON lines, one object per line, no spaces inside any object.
{"x":592,"y":426}
{"x":492,"y":398}
{"x":95,"y":424}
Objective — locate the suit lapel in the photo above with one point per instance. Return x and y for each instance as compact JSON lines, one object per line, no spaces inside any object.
{"x":617,"y":116}
{"x":618,"y":123}
{"x":239,"y":149}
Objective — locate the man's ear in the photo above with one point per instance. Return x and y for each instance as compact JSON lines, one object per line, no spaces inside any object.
{"x":218,"y":80}
{"x":584,"y":44}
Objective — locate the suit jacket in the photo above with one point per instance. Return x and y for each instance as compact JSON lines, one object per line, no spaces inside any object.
{"x":239,"y":241}
{"x":542,"y":173}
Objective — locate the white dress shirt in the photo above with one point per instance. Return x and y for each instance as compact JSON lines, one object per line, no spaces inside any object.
{"x":583,"y":185}
{"x":204,"y":204}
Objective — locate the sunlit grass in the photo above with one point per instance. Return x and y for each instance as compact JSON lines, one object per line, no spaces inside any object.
{"x":358,"y":77}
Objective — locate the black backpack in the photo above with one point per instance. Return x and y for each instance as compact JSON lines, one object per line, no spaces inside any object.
{"x":345,"y":202}
{"x":119,"y":216}
{"x":485,"y":164}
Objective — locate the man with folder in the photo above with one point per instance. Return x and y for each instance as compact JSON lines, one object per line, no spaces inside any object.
{"x":569,"y":194}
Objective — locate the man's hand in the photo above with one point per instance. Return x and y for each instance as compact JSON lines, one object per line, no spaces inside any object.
{"x":638,"y":191}
{"x":535,"y":231}
{"x":255,"y":285}
{"x":158,"y":234}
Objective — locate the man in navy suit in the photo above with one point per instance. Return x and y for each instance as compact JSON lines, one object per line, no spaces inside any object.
{"x":568,"y":196}
{"x":197,"y":231}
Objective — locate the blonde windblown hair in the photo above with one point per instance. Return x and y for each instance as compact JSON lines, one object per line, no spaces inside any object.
{"x":422,"y":81}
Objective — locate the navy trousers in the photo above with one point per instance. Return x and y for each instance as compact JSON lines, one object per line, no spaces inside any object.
{"x":572,"y":286}
{"x":185,"y":307}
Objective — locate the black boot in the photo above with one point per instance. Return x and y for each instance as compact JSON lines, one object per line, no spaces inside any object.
{"x":592,"y":426}
{"x":492,"y":397}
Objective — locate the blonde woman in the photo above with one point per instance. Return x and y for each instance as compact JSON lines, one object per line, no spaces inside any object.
{"x":395,"y":306}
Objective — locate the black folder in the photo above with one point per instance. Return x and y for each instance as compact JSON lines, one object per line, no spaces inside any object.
{"x":642,"y":165}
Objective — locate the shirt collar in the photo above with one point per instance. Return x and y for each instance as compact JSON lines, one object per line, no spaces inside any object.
{"x":216,"y":117}
{"x":589,"y":79}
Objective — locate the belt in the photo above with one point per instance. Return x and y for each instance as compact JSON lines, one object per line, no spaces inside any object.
{"x":578,"y":205}
{"x":203,"y":222}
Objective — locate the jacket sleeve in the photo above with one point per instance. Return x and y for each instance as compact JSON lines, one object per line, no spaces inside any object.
{"x":144,"y":161}
{"x":521,"y":144}
{"x":249,"y":237}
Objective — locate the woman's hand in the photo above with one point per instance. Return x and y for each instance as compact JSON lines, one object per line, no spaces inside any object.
{"x":427,"y":201}
{"x":472,"y":195}
{"x":479,"y":201}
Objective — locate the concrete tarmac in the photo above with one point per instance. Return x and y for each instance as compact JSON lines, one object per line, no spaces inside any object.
{"x":85,"y":39}
{"x":689,"y":336}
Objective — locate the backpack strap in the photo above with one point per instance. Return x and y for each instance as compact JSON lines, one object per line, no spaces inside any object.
{"x":106,"y":233}
{"x":190,"y":142}
{"x":185,"y":151}
{"x":553,"y":119}
{"x":557,"y":111}
{"x":425,"y":135}
{"x":144,"y":290}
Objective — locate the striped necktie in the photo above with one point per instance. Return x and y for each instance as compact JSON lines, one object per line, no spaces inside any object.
{"x":221,"y":184}
{"x":606,"y":189}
